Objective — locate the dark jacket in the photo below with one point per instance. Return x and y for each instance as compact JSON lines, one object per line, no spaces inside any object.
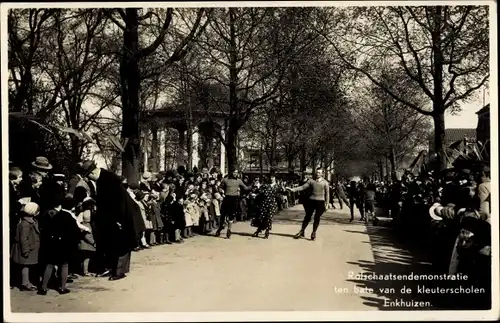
{"x":176,"y":214}
{"x":26,"y":189}
{"x":60,"y":236}
{"x":157,"y":218}
{"x":114,"y":220}
{"x":14,"y":209}
{"x":51,"y":194}
{"x":27,"y":242}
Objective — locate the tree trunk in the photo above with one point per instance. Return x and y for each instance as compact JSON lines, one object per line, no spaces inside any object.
{"x":438,"y":104}
{"x":231,"y":148}
{"x":392,"y":160}
{"x":381,"y":170}
{"x":115,"y":162}
{"x":439,"y":138}
{"x":232,"y":131}
{"x":129,"y":77}
{"x":290,"y":163}
{"x":303,"y":161}
{"x":326,"y":167}
{"x":154,"y":164}
{"x":273,"y":159}
{"x":75,"y":152}
{"x":387,"y":169}
{"x":261,"y":161}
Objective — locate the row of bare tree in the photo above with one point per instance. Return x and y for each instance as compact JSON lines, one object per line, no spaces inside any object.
{"x":319,"y":83}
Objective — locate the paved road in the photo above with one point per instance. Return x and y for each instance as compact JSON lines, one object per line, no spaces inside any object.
{"x":248,"y":274}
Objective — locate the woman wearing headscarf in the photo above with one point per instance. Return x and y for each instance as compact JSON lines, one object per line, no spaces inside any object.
{"x":27,"y":243}
{"x":267,"y":199}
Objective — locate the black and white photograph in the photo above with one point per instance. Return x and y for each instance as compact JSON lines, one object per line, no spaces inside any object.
{"x":250,"y":161}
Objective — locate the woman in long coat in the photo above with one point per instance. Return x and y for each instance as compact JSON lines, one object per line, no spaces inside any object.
{"x":267,"y":206}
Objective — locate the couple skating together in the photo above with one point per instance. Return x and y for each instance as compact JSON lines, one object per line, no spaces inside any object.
{"x":317,"y":203}
{"x":266,"y":200}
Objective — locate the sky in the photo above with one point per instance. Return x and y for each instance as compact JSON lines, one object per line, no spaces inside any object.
{"x":467,"y":118}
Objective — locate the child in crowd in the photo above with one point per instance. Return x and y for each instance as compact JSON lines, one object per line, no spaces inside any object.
{"x":179,"y":219}
{"x":156,"y":216}
{"x":139,"y":197}
{"x":87,"y":246}
{"x":205,"y":223}
{"x":27,"y":244}
{"x":190,"y":214}
{"x":216,"y":204}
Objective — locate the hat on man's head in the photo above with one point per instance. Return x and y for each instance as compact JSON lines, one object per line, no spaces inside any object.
{"x":42,"y":163}
{"x":88,"y":166}
{"x":59,"y":177}
{"x":435,"y":211}
{"x":140,"y":195}
{"x":133,"y":186}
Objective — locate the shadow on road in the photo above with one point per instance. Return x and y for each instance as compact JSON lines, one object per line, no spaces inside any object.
{"x":287,"y":235}
{"x":243,"y":234}
{"x":394,"y":257}
{"x":390,"y":260}
{"x":332,"y":217}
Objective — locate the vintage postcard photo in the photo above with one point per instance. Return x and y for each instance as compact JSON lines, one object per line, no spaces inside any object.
{"x":250,"y":161}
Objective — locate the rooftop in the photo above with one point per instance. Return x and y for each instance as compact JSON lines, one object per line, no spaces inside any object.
{"x":485,"y":109}
{"x":455,"y":134}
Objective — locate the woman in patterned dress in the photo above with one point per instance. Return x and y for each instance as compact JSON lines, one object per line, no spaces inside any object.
{"x":267,"y":205}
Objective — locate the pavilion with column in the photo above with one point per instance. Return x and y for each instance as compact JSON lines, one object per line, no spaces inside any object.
{"x":175,"y":136}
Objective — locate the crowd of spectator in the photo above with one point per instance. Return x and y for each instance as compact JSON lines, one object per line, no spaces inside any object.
{"x":64,"y":227}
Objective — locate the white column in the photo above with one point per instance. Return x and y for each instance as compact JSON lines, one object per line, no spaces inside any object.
{"x":222,"y":154}
{"x":195,"y":156}
{"x":161,"y":147}
{"x":145,"y":149}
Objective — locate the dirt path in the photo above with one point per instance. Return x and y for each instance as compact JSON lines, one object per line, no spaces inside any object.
{"x":241,"y":274}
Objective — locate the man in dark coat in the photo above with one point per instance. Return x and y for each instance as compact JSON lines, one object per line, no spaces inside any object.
{"x":116,"y":233}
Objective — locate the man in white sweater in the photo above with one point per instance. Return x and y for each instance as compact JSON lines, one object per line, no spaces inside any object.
{"x":319,"y":201}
